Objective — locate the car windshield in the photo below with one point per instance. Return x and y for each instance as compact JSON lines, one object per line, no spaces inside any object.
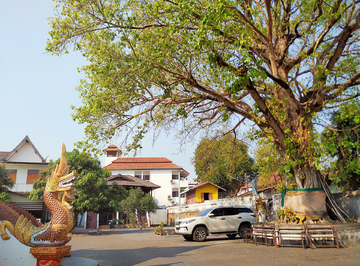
{"x":204,"y":212}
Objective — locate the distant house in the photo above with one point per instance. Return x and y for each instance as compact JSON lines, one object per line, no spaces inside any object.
{"x":160,"y":171}
{"x":262,"y":185}
{"x":22,"y":165}
{"x":202,"y":192}
{"x":244,"y":189}
{"x":128,"y":181}
{"x":102,"y":219}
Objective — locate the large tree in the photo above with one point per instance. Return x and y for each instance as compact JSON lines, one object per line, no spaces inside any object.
{"x":224,"y":162}
{"x":275,"y":64}
{"x":92,"y":192}
{"x":5,"y":184}
{"x":342,"y":142}
{"x":137,"y":203}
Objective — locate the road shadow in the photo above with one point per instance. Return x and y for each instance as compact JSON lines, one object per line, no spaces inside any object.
{"x":111,"y":231}
{"x":216,"y":238}
{"x":134,"y":256}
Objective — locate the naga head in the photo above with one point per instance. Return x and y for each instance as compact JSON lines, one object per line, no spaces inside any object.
{"x":61,"y":180}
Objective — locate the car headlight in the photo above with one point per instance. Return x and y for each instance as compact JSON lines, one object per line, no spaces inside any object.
{"x":187,"y":222}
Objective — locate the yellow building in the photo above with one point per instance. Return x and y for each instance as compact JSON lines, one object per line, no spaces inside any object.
{"x":202,"y":192}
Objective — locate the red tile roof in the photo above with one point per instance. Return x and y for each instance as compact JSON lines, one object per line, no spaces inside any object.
{"x":143,"y":163}
{"x":273,"y":180}
{"x":112,"y":148}
{"x":247,"y":186}
{"x":143,"y":160}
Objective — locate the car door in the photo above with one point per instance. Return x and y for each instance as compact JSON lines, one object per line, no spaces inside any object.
{"x":216,"y":222}
{"x":231,"y":219}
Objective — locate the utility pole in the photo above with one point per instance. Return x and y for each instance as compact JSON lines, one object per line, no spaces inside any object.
{"x":179,"y":188}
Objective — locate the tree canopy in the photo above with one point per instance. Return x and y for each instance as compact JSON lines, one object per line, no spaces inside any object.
{"x":5,"y":184}
{"x":202,"y":64}
{"x":342,"y":142}
{"x":137,"y":202}
{"x":269,"y":164}
{"x":92,"y":193}
{"x":224,"y":162}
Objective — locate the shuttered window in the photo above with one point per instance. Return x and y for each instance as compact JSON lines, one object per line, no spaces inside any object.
{"x":12,"y":174}
{"x":31,"y":176}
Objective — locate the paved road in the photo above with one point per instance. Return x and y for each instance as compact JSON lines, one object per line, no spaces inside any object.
{"x":131,"y":247}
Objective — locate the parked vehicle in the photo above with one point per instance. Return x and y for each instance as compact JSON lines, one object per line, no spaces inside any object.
{"x":218,"y":220}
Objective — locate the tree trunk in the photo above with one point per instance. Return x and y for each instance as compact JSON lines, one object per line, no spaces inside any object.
{"x":306,"y":177}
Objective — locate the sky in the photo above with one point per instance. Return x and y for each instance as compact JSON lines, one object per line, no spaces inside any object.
{"x":38,"y":89}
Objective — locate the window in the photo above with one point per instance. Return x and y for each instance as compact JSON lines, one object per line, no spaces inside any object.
{"x":111,"y":154}
{"x":217,"y":212}
{"x":204,"y":212}
{"x":243,"y":210}
{"x":175,"y":175}
{"x":138,"y":174}
{"x":33,"y":172}
{"x":12,"y":174}
{"x":206,"y":196}
{"x":175,"y":194}
{"x":228,"y":211}
{"x":146,"y":175}
{"x":31,"y":176}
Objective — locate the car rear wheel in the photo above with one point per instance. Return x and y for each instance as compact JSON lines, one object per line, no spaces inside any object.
{"x":200,"y":234}
{"x":188,"y":238}
{"x":242,"y":230}
{"x":232,"y":236}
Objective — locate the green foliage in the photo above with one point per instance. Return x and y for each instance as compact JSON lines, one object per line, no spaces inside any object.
{"x":287,"y":215}
{"x":138,"y":202}
{"x":92,"y":193}
{"x":269,"y":161}
{"x":38,"y":187}
{"x":216,"y":160}
{"x":201,"y":65}
{"x":342,"y":142}
{"x":5,"y":184}
{"x":4,"y":196}
{"x":158,"y":229}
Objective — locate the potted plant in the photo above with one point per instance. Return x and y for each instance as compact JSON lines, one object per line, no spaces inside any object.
{"x":121,"y":223}
{"x":116,"y":223}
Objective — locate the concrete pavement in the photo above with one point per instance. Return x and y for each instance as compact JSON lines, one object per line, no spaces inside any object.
{"x":131,"y":247}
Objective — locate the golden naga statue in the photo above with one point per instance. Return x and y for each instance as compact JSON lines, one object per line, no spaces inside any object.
{"x":24,"y":226}
{"x":261,"y":209}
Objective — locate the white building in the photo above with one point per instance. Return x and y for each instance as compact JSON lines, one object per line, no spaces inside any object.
{"x":22,"y":165}
{"x":159,"y":170}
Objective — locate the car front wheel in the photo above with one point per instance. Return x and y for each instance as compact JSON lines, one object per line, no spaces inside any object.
{"x":200,"y":234}
{"x":242,"y":230}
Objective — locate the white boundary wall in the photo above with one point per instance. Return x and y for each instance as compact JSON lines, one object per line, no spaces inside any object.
{"x":13,"y":252}
{"x":158,"y":217}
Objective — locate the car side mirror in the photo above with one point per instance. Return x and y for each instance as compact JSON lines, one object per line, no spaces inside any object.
{"x":211,"y":215}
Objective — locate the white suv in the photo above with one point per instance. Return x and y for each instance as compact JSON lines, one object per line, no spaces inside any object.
{"x":218,"y":220}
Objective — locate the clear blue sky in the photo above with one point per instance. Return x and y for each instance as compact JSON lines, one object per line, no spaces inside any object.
{"x":37,"y":89}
